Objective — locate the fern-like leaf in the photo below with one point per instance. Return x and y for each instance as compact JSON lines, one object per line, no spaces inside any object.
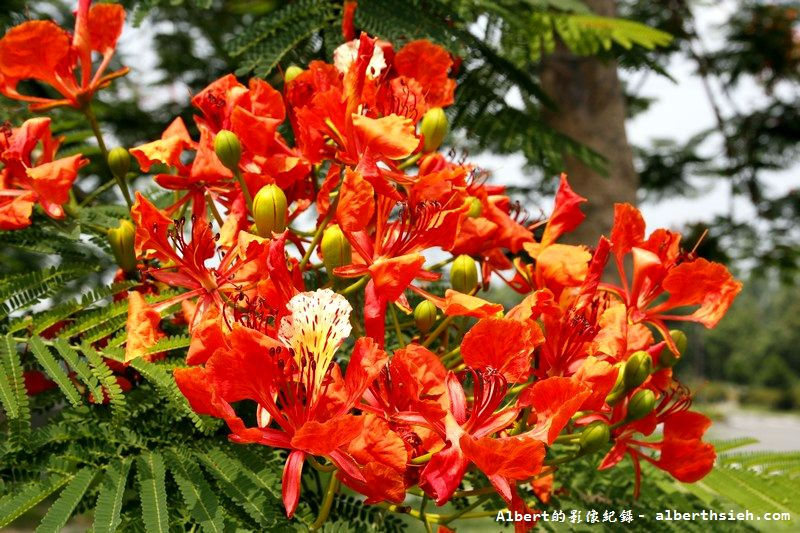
{"x":54,"y":370}
{"x":197,"y":494}
{"x":21,"y":423}
{"x":81,"y":368}
{"x":164,"y":382}
{"x":106,"y":378}
{"x":153,"y":492}
{"x":26,"y":497}
{"x":238,"y":486}
{"x":62,"y":509}
{"x":109,"y":501}
{"x":8,"y":396}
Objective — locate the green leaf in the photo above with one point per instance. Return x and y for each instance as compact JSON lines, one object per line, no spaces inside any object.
{"x":21,"y":423}
{"x":28,"y":496}
{"x":165,"y":383}
{"x":52,"y":368}
{"x":107,"y":379}
{"x":153,"y":492}
{"x":726,"y":445}
{"x":62,"y":509}
{"x":197,"y":494}
{"x":81,"y":368}
{"x":109,"y":502}
{"x":8,"y":396}
{"x":237,"y":485}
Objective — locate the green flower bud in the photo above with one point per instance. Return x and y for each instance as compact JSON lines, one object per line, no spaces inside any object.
{"x":433,"y":128}
{"x":425,"y":315}
{"x":475,"y":207}
{"x":640,"y":405}
{"x":618,"y":390}
{"x":121,"y":239}
{"x":594,"y":436}
{"x":335,"y":248}
{"x":464,"y":274}
{"x":669,"y":359}
{"x":228,"y":149}
{"x":119,"y":161}
{"x":291,"y":73}
{"x":637,"y":369}
{"x":270,"y":210}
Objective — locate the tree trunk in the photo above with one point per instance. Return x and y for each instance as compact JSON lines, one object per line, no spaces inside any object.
{"x":591,"y":110}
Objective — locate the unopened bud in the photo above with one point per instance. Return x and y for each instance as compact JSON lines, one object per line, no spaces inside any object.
{"x":464,"y":274}
{"x":433,"y":128}
{"x":425,"y":315}
{"x":594,"y":436}
{"x":291,"y":73}
{"x":228,"y":149}
{"x":121,"y":239}
{"x":270,"y":210}
{"x":336,"y":250}
{"x":640,"y":405}
{"x":618,"y":390}
{"x":668,"y":359}
{"x":637,"y":369}
{"x":119,"y":162}
{"x":475,"y":207}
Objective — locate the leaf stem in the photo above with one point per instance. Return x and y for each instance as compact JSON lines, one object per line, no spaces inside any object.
{"x":320,"y":230}
{"x":92,"y":118}
{"x":325,"y":509}
{"x":396,"y":322}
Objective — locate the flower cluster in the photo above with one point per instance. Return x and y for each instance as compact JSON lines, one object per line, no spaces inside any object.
{"x":582,"y":365}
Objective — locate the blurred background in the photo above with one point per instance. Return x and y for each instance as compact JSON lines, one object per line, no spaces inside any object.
{"x":689,"y":108}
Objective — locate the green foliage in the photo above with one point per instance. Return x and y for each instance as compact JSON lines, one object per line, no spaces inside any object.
{"x":591,"y":34}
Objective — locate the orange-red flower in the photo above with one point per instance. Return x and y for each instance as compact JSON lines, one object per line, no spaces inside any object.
{"x":27,"y":179}
{"x":297,"y":387}
{"x":184,"y":263}
{"x":391,"y":254}
{"x":681,"y":452}
{"x":43,"y":51}
{"x":660,"y":267}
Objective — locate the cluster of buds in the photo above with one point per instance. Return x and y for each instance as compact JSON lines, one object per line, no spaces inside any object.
{"x":463,"y":383}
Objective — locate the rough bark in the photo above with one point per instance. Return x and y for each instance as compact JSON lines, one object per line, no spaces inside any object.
{"x":591,"y":110}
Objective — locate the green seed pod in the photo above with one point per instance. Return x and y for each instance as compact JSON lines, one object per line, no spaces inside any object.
{"x":270,"y":210}
{"x":228,"y":149}
{"x":336,"y":250}
{"x":433,"y":128}
{"x":119,"y":161}
{"x":640,"y":405}
{"x":121,"y":239}
{"x":464,"y":274}
{"x":291,"y":73}
{"x":669,"y":359}
{"x":475,"y":207}
{"x":637,"y":369}
{"x":425,"y":315}
{"x":594,"y":436}
{"x":618,"y":390}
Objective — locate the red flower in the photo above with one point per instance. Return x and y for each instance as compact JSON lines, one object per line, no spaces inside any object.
{"x":142,"y":327}
{"x":296,"y":384}
{"x":681,"y":452}
{"x":185,"y":262}
{"x":391,"y":255}
{"x":25,"y":181}
{"x":43,"y":51}
{"x":660,"y":267}
{"x":429,"y":65}
{"x":503,"y":345}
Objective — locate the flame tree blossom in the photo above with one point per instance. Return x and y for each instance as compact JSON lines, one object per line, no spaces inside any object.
{"x":371,"y":366}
